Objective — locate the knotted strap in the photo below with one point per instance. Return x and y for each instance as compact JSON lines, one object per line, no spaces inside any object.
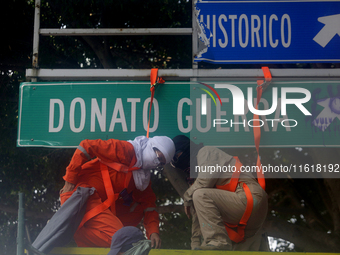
{"x":154,"y":79}
{"x":256,"y":128}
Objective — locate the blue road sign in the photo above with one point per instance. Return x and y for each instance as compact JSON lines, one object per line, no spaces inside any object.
{"x":268,"y":31}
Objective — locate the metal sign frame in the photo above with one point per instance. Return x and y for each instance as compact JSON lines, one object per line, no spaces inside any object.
{"x":35,"y":73}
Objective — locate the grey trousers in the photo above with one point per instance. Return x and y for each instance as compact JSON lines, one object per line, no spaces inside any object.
{"x":214,"y":207}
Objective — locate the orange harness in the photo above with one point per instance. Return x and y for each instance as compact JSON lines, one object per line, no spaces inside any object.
{"x":111,"y":196}
{"x":236,"y":231}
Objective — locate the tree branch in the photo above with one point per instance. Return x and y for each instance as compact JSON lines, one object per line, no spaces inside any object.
{"x":170,"y":209}
{"x":101,"y":50}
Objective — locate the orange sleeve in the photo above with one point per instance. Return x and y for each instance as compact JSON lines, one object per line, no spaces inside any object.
{"x":147,"y":199}
{"x":107,"y":150}
{"x":151,"y":223}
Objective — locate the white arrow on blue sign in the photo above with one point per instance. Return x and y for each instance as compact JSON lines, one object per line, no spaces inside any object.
{"x":268,"y":31}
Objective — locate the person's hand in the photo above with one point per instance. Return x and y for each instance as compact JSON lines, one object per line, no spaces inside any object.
{"x":67,"y":187}
{"x":187,"y":211}
{"x":155,"y":241}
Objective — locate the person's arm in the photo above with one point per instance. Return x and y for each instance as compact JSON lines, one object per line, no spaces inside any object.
{"x":207,"y":158}
{"x":147,"y":199}
{"x":107,"y":150}
{"x":67,"y":187}
{"x":198,"y":184}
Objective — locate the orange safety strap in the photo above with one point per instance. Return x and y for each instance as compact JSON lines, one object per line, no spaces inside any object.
{"x":154,"y":79}
{"x":238,"y":235}
{"x":111,"y":197}
{"x":236,"y":231}
{"x":257,"y":129}
{"x":119,"y":167}
{"x":231,"y":186}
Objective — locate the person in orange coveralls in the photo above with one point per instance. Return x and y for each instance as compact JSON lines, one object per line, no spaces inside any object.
{"x":127,"y":165}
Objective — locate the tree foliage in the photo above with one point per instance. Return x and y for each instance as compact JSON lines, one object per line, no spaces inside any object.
{"x":117,"y":51}
{"x":304,"y":212}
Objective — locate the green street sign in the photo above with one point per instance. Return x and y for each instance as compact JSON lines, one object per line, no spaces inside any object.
{"x":291,"y":114}
{"x":295,"y":113}
{"x":63,"y":114}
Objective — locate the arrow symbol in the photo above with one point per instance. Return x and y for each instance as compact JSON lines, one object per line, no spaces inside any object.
{"x":331,"y":28}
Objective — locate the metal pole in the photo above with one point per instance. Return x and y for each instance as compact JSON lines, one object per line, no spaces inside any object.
{"x":194,"y":39}
{"x":21,"y":225}
{"x":36,"y":38}
{"x":113,"y":31}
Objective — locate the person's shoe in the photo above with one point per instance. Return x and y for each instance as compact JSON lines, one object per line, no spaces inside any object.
{"x":213,"y":247}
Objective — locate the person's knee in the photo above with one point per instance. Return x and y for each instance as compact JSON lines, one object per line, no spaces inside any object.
{"x":198,"y":196}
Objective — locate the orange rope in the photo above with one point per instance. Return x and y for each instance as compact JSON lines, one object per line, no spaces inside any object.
{"x":153,"y":80}
{"x":257,"y":129}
